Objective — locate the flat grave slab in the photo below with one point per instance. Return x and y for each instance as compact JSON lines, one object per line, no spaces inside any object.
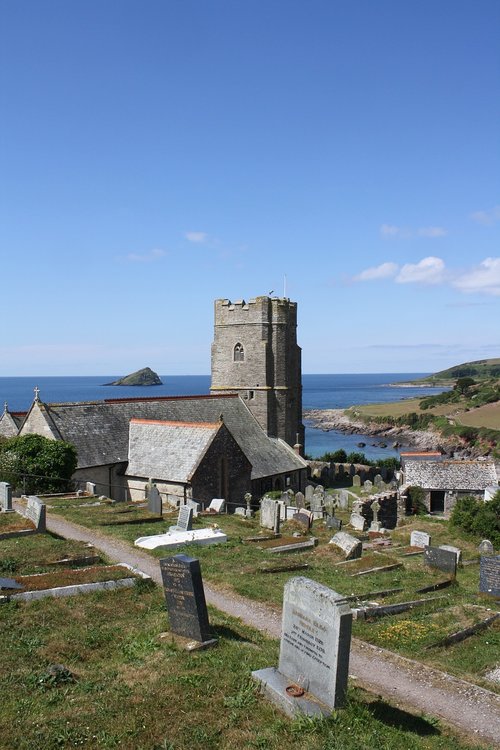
{"x":289,"y":544}
{"x":173,"y":539}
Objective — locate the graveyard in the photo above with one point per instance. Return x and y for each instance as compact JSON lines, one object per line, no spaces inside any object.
{"x":103,"y":669}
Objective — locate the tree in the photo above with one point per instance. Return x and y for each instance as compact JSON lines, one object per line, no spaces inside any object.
{"x":463,"y":384}
{"x":36,"y":464}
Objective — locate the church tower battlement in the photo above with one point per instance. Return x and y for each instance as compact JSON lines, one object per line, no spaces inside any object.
{"x":255,"y":354}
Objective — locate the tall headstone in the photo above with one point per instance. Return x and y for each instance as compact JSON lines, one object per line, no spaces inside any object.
{"x":269,"y":510}
{"x":154,"y":499}
{"x":343,"y":500}
{"x":185,"y":598}
{"x":248,"y":503}
{"x":489,"y":575}
{"x":356,"y":480}
{"x":5,"y":497}
{"x":300,"y":500}
{"x":314,"y":656}
{"x":309,"y":492}
{"x":378,"y":480}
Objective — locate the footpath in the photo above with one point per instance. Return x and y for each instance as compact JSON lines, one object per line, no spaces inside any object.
{"x":407,"y":684}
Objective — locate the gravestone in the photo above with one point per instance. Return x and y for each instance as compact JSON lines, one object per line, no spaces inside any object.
{"x":350,"y":546}
{"x":300,"y":500}
{"x":36,"y":511}
{"x":240,"y":511}
{"x":420,"y":539}
{"x":185,"y":598}
{"x":333,"y":523}
{"x":90,"y":488}
{"x":451,"y":548}
{"x":368,"y":485}
{"x":184,"y":519}
{"x":309,"y":492}
{"x":375,"y":524}
{"x":5,"y":497}
{"x":317,"y":505}
{"x":269,"y":509}
{"x":194,"y":505}
{"x":489,"y":575}
{"x":442,"y":559}
{"x":248,"y":502}
{"x":486,"y":547}
{"x":378,"y":480}
{"x":154,"y":500}
{"x":314,"y":652}
{"x":356,"y":480}
{"x":304,"y":517}
{"x":357,"y":521}
{"x":343,"y":500}
{"x":217,"y":504}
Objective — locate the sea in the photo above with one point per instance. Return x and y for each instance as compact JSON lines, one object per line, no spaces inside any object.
{"x":318,"y":392}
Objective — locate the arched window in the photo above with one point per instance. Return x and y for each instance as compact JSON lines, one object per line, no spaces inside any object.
{"x":238,"y":353}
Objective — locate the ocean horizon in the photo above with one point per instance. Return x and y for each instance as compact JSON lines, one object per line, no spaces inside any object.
{"x":322,"y":391}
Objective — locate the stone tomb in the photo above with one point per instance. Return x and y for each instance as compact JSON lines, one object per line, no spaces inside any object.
{"x":36,"y":511}
{"x":489,"y":575}
{"x":185,"y":599}
{"x":420,"y":539}
{"x":350,"y":545}
{"x":442,"y":559}
{"x":5,"y":497}
{"x":311,"y":677}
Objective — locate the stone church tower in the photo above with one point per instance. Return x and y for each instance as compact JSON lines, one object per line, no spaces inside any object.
{"x":255,"y":354}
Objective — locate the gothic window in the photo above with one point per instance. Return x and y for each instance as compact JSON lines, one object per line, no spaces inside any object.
{"x":239,"y":353}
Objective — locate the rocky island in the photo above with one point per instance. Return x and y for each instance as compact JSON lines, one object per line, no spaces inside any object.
{"x":146,"y":376}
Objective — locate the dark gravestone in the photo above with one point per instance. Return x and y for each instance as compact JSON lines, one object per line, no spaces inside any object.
{"x":489,"y":575}
{"x":304,"y":517}
{"x":442,"y":559}
{"x":333,"y":523}
{"x":184,"y":519}
{"x":185,"y":597}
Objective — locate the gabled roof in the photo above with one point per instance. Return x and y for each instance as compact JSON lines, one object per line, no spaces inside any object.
{"x":450,"y":475}
{"x":10,"y":422}
{"x":99,"y":430}
{"x":168,"y":450}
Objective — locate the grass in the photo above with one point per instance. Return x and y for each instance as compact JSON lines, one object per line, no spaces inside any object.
{"x":237,"y":565}
{"x":485,"y":416}
{"x":120,"y":686}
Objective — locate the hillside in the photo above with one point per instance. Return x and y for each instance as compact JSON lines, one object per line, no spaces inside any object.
{"x":479,"y":369}
{"x":146,"y":376}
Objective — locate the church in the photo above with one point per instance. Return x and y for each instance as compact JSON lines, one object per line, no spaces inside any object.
{"x":246,"y":436}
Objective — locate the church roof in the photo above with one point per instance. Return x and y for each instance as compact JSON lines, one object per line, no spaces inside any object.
{"x":99,"y":430}
{"x":451,"y":475}
{"x":10,"y":422}
{"x":168,"y":450}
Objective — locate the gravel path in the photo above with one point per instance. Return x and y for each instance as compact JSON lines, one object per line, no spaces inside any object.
{"x":408,"y":684}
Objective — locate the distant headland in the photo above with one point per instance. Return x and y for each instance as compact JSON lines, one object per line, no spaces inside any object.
{"x":146,"y":376}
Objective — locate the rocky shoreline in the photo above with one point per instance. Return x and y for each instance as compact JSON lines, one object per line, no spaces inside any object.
{"x":336,"y":419}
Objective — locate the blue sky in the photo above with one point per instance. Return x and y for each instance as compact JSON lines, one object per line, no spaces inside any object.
{"x":157,"y":155}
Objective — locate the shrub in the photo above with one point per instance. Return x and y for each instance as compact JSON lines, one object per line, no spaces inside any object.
{"x":478,"y":518}
{"x":36,"y":464}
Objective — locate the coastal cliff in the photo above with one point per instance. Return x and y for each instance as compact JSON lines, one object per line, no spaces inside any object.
{"x":146,"y":376}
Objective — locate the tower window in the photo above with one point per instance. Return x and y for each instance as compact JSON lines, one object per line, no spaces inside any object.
{"x":239,"y":353}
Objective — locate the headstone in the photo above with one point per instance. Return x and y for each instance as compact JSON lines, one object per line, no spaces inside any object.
{"x":350,"y":546}
{"x":314,"y":653}
{"x":90,"y":488}
{"x":269,"y":509}
{"x":240,"y":511}
{"x":185,"y":597}
{"x":317,"y":505}
{"x":309,"y":492}
{"x":248,"y":502}
{"x":451,"y":548}
{"x":486,"y":547}
{"x":184,"y":519}
{"x":217,"y":504}
{"x":368,"y":485}
{"x":357,"y":521}
{"x":5,"y":497}
{"x":420,"y":539}
{"x":194,"y":505}
{"x":300,"y":500}
{"x":375,"y":524}
{"x":343,"y":500}
{"x":36,"y":511}
{"x":442,"y":559}
{"x":489,"y":575}
{"x":378,"y":480}
{"x":356,"y":480}
{"x":333,"y":523}
{"x":154,"y":499}
{"x":304,"y":517}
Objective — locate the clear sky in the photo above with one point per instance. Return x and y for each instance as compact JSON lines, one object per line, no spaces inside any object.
{"x":158,"y":154}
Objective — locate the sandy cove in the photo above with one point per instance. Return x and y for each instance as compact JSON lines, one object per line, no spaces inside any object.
{"x":336,"y":419}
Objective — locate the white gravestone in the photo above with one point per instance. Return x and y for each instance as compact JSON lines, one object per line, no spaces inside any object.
{"x":357,"y":521}
{"x":314,"y":653}
{"x":350,"y":546}
{"x":5,"y":497}
{"x":217,"y":504}
{"x":36,"y":511}
{"x":269,"y":509}
{"x":420,"y":539}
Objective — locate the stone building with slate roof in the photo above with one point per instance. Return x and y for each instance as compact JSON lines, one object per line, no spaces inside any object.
{"x":10,"y":422}
{"x":99,"y":430}
{"x":200,"y":460}
{"x":443,"y":481}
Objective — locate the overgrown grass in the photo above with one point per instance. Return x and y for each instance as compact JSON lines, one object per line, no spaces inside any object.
{"x":123,"y":687}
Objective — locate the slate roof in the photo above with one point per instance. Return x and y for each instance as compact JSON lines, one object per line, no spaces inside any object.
{"x":168,"y":450}
{"x":450,"y":475}
{"x":99,"y":430}
{"x":10,"y":423}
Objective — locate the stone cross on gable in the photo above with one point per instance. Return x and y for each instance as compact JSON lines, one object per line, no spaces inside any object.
{"x":37,"y":393}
